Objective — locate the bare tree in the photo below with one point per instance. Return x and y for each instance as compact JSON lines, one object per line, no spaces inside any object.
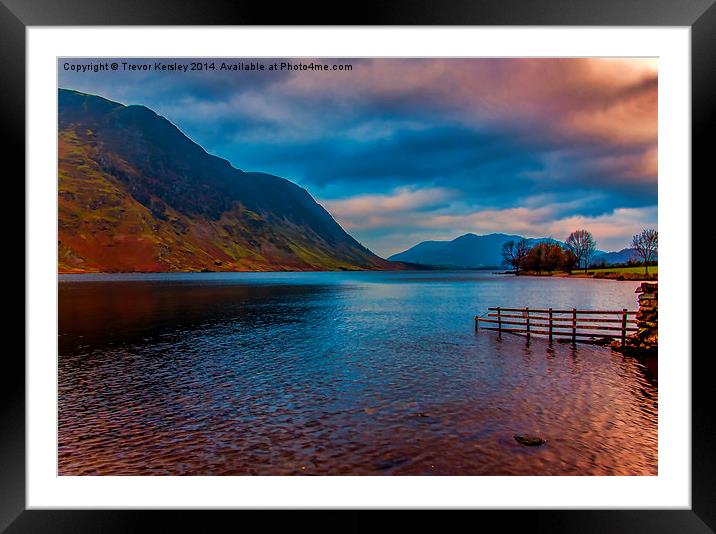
{"x":582,"y":245}
{"x":514,"y":254}
{"x":521,"y":251}
{"x":646,"y":244}
{"x":508,"y":253}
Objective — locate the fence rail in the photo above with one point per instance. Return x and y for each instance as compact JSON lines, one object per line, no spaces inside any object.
{"x":561,"y":324}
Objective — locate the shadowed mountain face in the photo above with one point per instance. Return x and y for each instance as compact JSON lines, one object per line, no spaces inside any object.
{"x":135,"y":194}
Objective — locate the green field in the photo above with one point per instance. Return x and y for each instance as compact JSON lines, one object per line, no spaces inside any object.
{"x":653,"y":269}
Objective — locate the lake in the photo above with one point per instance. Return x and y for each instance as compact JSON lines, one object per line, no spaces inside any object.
{"x":350,"y":373}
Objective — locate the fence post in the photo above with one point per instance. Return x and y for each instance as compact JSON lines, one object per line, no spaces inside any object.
{"x":476,"y":323}
{"x":624,"y":325}
{"x":574,"y":325}
{"x":527,"y":315}
{"x":550,"y":324}
{"x":499,"y":321}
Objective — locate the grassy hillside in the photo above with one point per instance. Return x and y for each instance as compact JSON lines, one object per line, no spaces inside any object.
{"x":136,"y":195}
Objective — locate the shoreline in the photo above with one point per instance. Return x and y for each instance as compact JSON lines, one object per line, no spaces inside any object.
{"x":607,"y":275}
{"x":599,"y":275}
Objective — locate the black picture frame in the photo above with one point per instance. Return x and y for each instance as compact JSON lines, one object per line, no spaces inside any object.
{"x":699,"y":15}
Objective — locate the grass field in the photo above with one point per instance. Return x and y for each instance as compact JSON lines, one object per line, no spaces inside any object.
{"x":653,"y":269}
{"x":612,"y":273}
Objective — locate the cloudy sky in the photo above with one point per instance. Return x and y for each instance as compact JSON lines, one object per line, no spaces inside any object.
{"x":405,"y":150}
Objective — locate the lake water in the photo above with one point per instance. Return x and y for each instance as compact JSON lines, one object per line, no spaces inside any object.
{"x":360,"y":373}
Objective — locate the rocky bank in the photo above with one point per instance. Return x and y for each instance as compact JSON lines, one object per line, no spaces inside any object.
{"x":645,"y":341}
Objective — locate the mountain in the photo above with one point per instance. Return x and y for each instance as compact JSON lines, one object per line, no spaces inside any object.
{"x":472,"y":251}
{"x":610,"y":258}
{"x":136,"y":194}
{"x":468,"y":251}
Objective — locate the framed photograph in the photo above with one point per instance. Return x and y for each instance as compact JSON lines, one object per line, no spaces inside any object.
{"x":276,"y":260}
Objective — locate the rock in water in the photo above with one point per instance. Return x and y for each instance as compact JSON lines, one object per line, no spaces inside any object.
{"x":529,"y":440}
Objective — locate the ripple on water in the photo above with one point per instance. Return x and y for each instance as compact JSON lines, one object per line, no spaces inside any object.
{"x":364,"y":376}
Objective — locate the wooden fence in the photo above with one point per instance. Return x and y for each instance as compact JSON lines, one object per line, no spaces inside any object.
{"x":562,"y":324}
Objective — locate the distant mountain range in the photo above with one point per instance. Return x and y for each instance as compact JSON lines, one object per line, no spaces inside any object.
{"x":472,"y":251}
{"x":610,"y":258}
{"x":136,"y":194}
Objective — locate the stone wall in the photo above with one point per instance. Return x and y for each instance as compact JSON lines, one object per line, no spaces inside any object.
{"x":646,"y":339}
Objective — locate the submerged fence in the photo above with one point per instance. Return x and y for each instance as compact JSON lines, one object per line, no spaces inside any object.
{"x":561,"y":324}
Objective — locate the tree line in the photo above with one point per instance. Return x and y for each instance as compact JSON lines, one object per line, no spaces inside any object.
{"x":577,"y":252}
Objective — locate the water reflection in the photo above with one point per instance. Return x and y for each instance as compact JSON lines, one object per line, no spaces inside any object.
{"x":340,"y":373}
